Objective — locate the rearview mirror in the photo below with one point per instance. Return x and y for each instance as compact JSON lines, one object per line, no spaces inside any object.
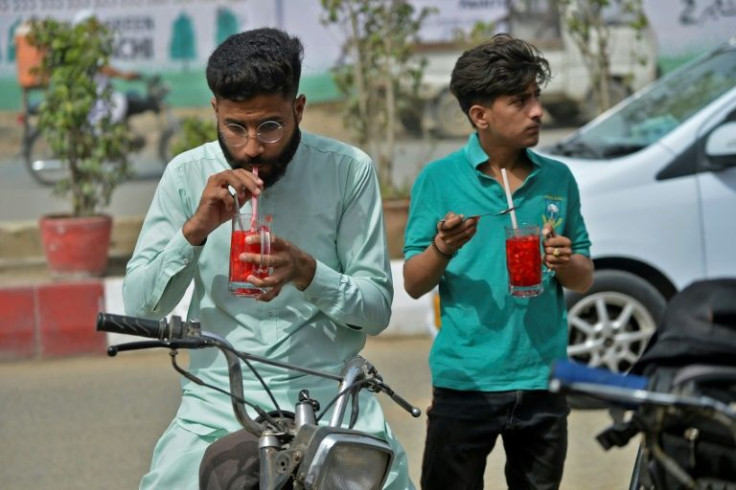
{"x":720,"y":147}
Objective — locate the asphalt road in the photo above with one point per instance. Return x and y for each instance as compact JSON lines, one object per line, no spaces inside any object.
{"x":91,"y":422}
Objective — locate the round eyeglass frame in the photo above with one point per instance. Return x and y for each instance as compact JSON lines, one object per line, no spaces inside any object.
{"x":240,"y":136}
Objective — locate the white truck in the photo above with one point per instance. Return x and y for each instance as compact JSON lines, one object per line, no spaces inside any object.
{"x":568,"y":97}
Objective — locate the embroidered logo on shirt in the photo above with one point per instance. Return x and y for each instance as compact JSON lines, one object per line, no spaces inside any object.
{"x":552,"y":207}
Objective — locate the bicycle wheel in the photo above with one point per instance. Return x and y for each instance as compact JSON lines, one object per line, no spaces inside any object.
{"x":165,"y":154}
{"x":41,"y":163}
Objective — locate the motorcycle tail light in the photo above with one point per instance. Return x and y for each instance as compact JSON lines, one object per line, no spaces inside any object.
{"x":342,"y":459}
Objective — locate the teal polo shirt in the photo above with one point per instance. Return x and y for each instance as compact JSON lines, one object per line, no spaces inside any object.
{"x":489,"y":340}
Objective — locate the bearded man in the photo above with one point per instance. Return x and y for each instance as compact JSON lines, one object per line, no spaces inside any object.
{"x":330,"y":283}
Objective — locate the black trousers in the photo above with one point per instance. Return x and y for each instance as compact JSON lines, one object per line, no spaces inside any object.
{"x":462,"y":428}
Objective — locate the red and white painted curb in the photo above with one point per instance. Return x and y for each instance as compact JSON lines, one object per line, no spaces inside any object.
{"x":56,"y":319}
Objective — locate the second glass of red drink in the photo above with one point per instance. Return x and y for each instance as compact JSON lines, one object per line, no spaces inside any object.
{"x":524,"y":260}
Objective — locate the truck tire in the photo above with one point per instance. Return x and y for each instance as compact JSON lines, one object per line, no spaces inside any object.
{"x":449,"y":120}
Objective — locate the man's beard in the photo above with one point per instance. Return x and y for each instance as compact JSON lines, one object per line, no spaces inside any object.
{"x":275,"y":167}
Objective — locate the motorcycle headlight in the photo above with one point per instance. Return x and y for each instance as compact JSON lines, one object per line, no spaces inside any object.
{"x":342,"y":459}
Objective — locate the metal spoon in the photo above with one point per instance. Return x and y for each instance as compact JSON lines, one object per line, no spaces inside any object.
{"x":497,"y":213}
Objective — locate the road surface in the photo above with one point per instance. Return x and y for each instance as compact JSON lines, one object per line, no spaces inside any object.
{"x":91,"y":422}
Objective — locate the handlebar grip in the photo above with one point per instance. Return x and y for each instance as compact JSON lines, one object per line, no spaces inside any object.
{"x":130,"y":325}
{"x":568,"y":372}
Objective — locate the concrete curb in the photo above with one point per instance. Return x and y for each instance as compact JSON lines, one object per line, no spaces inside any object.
{"x":50,"y":320}
{"x":55,"y":319}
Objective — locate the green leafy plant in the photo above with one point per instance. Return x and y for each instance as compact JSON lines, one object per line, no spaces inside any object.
{"x":585,"y":24}
{"x":380,"y":71}
{"x":194,"y":131}
{"x":94,"y":149}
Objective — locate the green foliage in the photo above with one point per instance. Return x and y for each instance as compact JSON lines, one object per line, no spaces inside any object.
{"x":95,"y":151}
{"x":480,"y":32}
{"x":194,"y":131}
{"x":382,"y":71}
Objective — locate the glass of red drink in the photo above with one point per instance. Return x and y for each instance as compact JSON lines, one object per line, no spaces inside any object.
{"x":524,"y":260}
{"x":244,"y":226}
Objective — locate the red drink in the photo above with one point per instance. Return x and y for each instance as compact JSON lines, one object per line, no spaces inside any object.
{"x":239,"y":270}
{"x":524,"y":261}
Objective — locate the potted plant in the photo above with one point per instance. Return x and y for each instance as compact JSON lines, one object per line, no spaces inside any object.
{"x":382,"y":72}
{"x":82,"y":135}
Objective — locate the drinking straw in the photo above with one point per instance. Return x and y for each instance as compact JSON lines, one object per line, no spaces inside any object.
{"x":509,"y":201}
{"x":233,"y":193}
{"x":254,"y":205}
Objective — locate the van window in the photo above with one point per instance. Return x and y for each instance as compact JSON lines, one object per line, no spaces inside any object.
{"x":653,"y":112}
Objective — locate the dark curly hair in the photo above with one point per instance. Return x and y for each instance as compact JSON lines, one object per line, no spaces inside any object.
{"x":261,"y":61}
{"x":502,"y":66}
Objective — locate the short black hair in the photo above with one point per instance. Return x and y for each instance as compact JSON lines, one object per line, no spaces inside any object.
{"x":261,"y":61}
{"x":504,"y":65}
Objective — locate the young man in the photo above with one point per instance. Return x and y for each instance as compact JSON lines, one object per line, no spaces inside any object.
{"x":330,"y":284}
{"x":490,"y":359}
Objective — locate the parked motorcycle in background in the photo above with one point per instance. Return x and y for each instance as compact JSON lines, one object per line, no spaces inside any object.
{"x":149,"y":142}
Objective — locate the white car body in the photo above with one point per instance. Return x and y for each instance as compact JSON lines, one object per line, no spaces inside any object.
{"x":657,"y":177}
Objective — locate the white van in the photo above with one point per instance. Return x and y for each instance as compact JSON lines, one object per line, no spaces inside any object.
{"x":657,"y":176}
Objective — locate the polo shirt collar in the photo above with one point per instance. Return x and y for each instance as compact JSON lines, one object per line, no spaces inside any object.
{"x":475,"y":155}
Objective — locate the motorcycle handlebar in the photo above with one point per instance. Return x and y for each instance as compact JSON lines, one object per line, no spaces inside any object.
{"x":128,"y":325}
{"x":176,"y":330}
{"x":568,"y":372}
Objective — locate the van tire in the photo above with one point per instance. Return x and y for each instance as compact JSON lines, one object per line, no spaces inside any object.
{"x":632,"y":308}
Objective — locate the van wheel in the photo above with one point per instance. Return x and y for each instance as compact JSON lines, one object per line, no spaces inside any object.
{"x":610,"y":325}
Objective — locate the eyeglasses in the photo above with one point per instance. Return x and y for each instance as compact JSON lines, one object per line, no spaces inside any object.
{"x":267,"y":132}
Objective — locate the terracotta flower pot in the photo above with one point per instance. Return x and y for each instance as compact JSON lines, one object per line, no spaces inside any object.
{"x":395,"y":213}
{"x":76,"y":246}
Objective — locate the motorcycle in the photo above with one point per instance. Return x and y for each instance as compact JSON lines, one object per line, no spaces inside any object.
{"x":293,"y":446}
{"x":679,"y":396}
{"x":47,"y":170}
